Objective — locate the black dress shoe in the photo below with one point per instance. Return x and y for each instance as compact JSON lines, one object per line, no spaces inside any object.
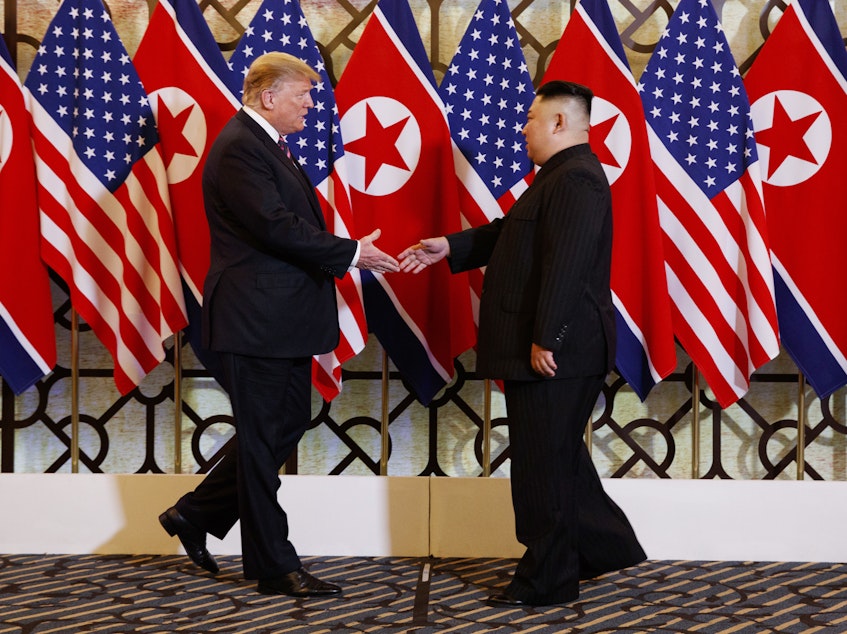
{"x":192,"y":538}
{"x":505,"y":600}
{"x":298,"y":584}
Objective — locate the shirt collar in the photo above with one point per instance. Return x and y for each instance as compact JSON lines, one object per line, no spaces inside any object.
{"x":267,"y":127}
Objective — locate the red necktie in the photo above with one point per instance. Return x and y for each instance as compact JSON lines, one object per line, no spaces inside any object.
{"x":284,"y":147}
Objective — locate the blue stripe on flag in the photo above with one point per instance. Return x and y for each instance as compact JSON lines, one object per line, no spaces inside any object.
{"x":819,"y":14}
{"x":190,"y":18}
{"x":633,"y":364}
{"x":802,"y":341}
{"x":16,"y":366}
{"x":602,"y":18}
{"x":394,"y":334}
{"x":400,"y":18}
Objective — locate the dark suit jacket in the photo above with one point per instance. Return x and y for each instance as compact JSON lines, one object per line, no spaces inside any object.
{"x":548,"y":273}
{"x":270,"y":290}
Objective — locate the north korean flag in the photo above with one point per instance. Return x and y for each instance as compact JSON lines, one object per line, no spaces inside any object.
{"x":590,"y":53}
{"x":192,"y":92}
{"x":799,"y":100}
{"x":400,"y":166}
{"x":27,"y":336}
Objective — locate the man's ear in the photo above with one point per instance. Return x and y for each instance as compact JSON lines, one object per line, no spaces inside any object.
{"x":561,"y":122}
{"x":267,"y":98}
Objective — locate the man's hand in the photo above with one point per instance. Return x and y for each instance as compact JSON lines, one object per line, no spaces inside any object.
{"x":423,"y":254}
{"x":542,"y":361}
{"x":372,"y":259}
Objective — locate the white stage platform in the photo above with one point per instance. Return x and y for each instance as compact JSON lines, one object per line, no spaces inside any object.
{"x":442,"y":517}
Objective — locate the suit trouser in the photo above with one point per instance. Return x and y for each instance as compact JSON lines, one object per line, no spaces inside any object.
{"x":571,"y":528}
{"x":271,"y":405}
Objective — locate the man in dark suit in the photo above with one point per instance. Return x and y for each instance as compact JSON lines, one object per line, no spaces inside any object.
{"x":547,"y":328}
{"x":269,"y":305}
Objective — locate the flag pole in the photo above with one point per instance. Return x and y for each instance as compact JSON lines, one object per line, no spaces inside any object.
{"x":74,"y":391}
{"x":695,"y":422}
{"x":178,"y":402}
{"x":383,"y":459}
{"x":486,"y":430}
{"x":801,"y":426}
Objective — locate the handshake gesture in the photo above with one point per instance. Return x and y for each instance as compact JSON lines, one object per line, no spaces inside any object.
{"x":412,"y":260}
{"x":371,"y":258}
{"x":423,"y":254}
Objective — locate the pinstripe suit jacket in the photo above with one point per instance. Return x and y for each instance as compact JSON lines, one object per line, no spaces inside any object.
{"x":270,"y":290}
{"x":548,"y":273}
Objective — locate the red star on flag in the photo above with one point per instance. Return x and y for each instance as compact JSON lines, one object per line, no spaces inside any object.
{"x":378,"y":146}
{"x":599,"y":135}
{"x":171,"y":127}
{"x":785,"y":137}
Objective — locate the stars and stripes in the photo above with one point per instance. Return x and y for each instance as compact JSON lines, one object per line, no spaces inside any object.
{"x":279,"y":25}
{"x":27,"y":338}
{"x":106,"y":224}
{"x":798,"y":105}
{"x":710,"y":204}
{"x":487,"y":91}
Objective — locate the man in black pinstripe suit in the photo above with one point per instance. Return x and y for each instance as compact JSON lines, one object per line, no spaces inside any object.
{"x":547,"y":328}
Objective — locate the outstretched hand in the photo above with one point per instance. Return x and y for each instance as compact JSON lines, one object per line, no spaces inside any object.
{"x":372,"y":258}
{"x":423,"y":254}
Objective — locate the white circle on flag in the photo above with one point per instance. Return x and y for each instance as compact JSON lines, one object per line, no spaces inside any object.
{"x":615,"y":154}
{"x":184,"y":132}
{"x":379,"y":178}
{"x":6,"y":138}
{"x":818,"y":138}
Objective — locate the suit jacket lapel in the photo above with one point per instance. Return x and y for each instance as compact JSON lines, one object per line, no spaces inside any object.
{"x":294,"y":167}
{"x":288,"y":163}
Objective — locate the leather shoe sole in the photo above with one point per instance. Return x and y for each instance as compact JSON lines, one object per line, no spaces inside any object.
{"x":503,"y":599}
{"x":506,"y":600}
{"x":192,"y":538}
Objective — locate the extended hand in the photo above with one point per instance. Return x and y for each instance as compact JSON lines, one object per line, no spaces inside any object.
{"x":423,"y":254}
{"x":372,"y":259}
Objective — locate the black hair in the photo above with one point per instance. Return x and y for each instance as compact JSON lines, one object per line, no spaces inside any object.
{"x":558,"y":88}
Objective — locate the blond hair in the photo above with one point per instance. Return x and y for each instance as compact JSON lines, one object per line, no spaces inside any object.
{"x":270,"y":69}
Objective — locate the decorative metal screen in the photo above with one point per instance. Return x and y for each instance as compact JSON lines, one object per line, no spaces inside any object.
{"x":660,"y":438}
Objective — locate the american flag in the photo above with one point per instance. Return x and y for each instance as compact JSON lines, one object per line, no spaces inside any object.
{"x":710,"y":201}
{"x":192,"y":93}
{"x":279,"y":25}
{"x":799,"y":102}
{"x":487,"y":91}
{"x":27,"y":338}
{"x":591,"y":53}
{"x":106,"y":224}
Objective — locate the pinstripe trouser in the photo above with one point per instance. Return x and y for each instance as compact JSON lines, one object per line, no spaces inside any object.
{"x":571,"y":528}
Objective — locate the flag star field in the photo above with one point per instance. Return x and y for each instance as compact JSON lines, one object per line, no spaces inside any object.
{"x":99,"y":101}
{"x":695,"y":101}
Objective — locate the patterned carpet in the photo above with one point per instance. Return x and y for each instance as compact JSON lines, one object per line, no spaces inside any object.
{"x":152,"y":594}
